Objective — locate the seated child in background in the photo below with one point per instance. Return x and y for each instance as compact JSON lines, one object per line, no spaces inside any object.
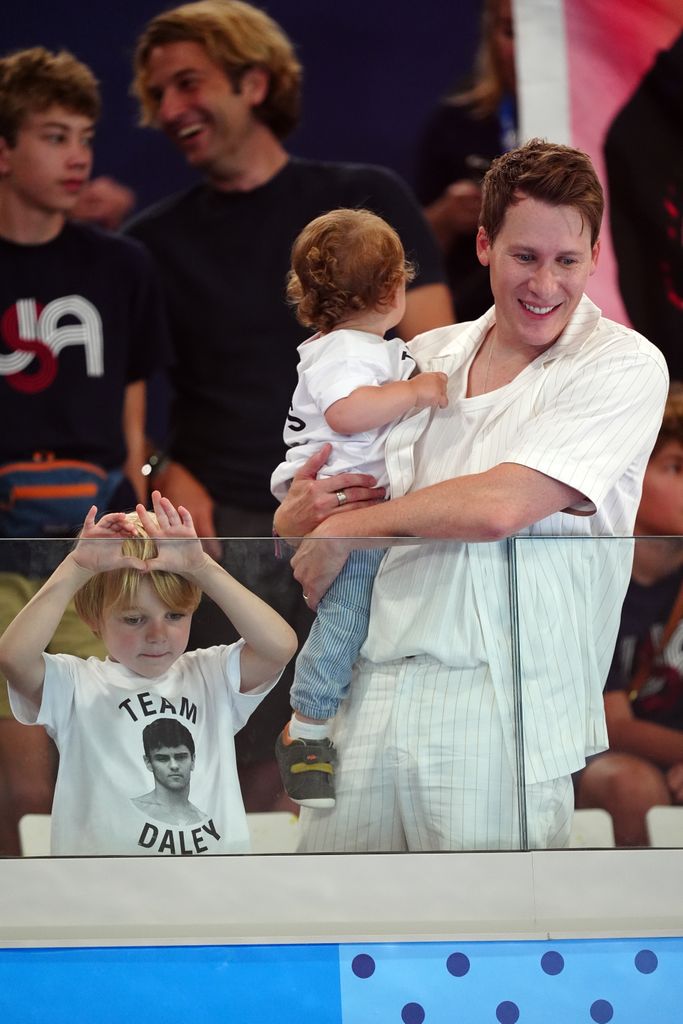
{"x":644,"y":691}
{"x":136,"y":580}
{"x":347,"y":282}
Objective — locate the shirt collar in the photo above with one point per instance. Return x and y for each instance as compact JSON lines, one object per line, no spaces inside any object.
{"x":441,"y":349}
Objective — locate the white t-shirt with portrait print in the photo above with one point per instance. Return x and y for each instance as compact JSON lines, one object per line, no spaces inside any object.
{"x":96,"y":711}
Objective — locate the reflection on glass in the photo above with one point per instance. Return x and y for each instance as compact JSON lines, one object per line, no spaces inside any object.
{"x":151,"y":766}
{"x":127,"y":785}
{"x":626,"y":795}
{"x":639,"y":781}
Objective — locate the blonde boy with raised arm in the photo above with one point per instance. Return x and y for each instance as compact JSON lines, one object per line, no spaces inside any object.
{"x":136,"y":580}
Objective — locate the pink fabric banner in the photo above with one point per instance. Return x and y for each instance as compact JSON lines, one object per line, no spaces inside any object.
{"x":625,"y":68}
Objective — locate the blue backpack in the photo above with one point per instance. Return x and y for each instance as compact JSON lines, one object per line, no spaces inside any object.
{"x":49,"y":497}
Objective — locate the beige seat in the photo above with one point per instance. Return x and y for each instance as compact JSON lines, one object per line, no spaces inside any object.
{"x":273,"y":831}
{"x":665,"y":826}
{"x":34,"y":835}
{"x":592,"y":829}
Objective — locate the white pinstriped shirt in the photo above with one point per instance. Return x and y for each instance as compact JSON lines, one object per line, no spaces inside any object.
{"x":585,"y":412}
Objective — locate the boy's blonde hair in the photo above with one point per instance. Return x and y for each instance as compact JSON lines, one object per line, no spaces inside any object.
{"x":344,"y":262}
{"x":34,"y":80}
{"x":236,"y":37}
{"x":119,"y":588}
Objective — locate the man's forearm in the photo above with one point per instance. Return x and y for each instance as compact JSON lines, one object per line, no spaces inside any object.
{"x":480,"y":507}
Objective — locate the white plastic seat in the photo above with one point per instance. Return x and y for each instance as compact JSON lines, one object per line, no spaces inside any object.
{"x":34,"y":835}
{"x":273,"y":831}
{"x":665,"y":826}
{"x":592,"y":829}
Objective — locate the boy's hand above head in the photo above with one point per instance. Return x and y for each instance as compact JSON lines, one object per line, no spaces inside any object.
{"x":183,"y":488}
{"x":99,"y":544}
{"x":186,"y":556}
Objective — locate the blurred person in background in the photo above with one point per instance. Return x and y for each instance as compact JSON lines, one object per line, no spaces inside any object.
{"x":463,"y":135}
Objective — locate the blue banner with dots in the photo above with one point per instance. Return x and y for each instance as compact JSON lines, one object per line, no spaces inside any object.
{"x":596,"y":981}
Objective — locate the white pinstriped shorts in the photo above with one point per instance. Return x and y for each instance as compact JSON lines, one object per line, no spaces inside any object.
{"x":423,"y":765}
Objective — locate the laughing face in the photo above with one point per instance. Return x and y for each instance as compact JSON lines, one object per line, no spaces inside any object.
{"x":198,"y":107}
{"x":539,"y":264}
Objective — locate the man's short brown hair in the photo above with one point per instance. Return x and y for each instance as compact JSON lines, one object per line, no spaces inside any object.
{"x":34,"y":80}
{"x":236,"y":37}
{"x":342,"y":263}
{"x":546,"y":171}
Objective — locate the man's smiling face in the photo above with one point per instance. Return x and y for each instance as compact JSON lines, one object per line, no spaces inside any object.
{"x":539,"y":264}
{"x":198,"y":107}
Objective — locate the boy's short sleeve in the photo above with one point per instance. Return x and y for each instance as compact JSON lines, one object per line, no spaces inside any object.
{"x":228,"y":665}
{"x":349,"y":365}
{"x":57,"y":696}
{"x":608,"y":414}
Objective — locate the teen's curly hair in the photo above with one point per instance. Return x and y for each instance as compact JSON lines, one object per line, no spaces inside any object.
{"x":342,"y":263}
{"x":32,"y":81}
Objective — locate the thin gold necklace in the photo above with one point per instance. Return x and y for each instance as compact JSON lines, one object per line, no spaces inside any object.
{"x":488,"y":364}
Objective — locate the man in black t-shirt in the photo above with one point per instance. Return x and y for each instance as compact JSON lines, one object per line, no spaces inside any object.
{"x":222,"y":81}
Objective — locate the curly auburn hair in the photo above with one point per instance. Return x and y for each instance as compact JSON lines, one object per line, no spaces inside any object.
{"x":343,"y":262}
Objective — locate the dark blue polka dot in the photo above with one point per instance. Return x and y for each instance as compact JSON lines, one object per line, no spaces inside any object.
{"x":412,"y":1013}
{"x":646,"y":961}
{"x":601,"y":1011}
{"x":507,"y":1013}
{"x":458,"y":964}
{"x":552,"y":962}
{"x":363,"y":965}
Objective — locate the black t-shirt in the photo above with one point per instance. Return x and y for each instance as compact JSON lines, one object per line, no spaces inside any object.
{"x":456,"y":145}
{"x":224,"y":258}
{"x":81,"y":317}
{"x":645,"y":613}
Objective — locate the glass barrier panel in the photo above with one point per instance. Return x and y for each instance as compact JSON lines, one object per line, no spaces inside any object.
{"x":133,"y":753}
{"x":598,"y":637}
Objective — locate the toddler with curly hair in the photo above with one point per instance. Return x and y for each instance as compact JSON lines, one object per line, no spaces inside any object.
{"x":347,"y":282}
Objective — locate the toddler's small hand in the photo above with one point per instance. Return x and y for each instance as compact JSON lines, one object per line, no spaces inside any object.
{"x":431,"y":389}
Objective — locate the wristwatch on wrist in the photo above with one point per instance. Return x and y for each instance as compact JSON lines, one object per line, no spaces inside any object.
{"x":156,"y":464}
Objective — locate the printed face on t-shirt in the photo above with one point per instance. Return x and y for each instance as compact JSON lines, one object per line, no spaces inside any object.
{"x":148,"y":637}
{"x":171,"y":766}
